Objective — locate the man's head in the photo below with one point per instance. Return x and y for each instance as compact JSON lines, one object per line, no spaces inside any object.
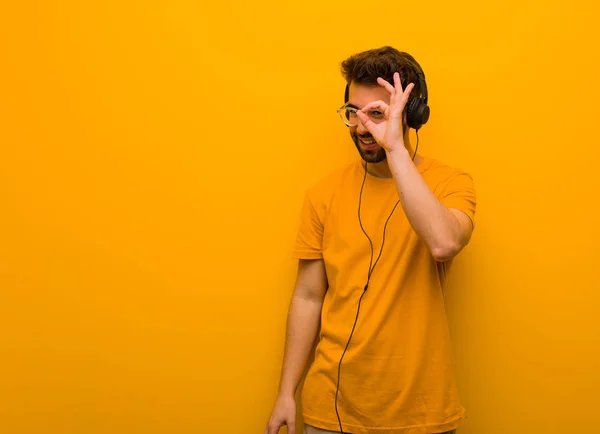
{"x":361,"y":71}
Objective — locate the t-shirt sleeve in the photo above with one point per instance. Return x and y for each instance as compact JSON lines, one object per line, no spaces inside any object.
{"x":309,"y":239}
{"x":459,"y":193}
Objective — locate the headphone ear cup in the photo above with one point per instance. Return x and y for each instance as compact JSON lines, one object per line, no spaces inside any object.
{"x":411,"y":118}
{"x":417,"y":113}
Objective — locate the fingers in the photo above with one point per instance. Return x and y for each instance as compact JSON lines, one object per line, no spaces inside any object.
{"x":273,"y":429}
{"x":408,"y":90}
{"x":380,"y":105}
{"x":403,"y":95}
{"x":394,"y":90}
{"x":397,"y":82}
{"x":365,"y":120}
{"x":375,"y":130}
{"x":386,"y":85}
{"x":274,"y":426}
{"x":397,"y":94}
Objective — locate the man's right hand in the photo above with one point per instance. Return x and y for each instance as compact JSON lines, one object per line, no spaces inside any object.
{"x":284,"y":413}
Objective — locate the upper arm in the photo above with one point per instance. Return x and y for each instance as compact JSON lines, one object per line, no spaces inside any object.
{"x":311,"y":281}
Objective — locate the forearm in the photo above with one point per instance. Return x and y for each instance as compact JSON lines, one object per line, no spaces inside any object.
{"x":430,"y":219}
{"x":302,"y":327}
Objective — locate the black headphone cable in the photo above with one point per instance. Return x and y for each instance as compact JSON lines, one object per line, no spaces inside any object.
{"x":371,"y":268}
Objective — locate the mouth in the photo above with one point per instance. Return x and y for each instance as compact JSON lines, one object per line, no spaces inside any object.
{"x":368,"y":143}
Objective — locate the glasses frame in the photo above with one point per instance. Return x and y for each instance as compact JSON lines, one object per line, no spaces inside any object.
{"x":347,"y":122}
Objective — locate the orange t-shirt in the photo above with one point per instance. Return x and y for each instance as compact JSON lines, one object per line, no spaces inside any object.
{"x":397,"y":374}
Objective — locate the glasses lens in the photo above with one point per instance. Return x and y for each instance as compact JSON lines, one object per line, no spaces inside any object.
{"x":348,"y":116}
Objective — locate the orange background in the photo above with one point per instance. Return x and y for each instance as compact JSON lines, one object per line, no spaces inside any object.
{"x":154,"y":156}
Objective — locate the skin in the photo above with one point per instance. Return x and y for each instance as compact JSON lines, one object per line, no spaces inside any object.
{"x":445,"y":230}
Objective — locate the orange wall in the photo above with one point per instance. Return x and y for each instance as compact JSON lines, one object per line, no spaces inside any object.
{"x":153,"y":160}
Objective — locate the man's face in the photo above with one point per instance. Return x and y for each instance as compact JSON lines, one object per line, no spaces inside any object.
{"x":359,"y":96}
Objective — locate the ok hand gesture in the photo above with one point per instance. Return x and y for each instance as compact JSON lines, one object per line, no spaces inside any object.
{"x":389,"y":133}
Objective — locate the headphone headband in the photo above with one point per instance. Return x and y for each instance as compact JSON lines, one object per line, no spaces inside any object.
{"x":422,"y":84}
{"x":420,"y":76}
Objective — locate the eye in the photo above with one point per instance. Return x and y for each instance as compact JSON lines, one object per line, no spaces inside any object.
{"x":350,"y":112}
{"x":377,"y":114}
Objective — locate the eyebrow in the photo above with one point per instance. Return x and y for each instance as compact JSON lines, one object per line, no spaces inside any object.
{"x":358,"y":108}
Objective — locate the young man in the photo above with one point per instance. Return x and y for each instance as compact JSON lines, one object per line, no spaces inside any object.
{"x":375,"y":244}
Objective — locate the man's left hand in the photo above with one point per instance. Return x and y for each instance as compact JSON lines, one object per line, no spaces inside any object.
{"x":389,"y":133}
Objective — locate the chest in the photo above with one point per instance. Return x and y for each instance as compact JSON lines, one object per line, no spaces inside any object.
{"x":357,"y":225}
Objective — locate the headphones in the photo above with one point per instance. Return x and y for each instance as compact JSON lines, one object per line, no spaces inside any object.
{"x":417,"y":110}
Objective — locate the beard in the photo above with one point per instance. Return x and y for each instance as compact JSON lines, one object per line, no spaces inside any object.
{"x":369,"y":156}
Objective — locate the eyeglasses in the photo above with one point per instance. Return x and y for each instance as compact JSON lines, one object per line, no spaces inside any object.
{"x":350,"y":118}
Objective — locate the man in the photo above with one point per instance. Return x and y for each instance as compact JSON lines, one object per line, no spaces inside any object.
{"x":376,"y":241}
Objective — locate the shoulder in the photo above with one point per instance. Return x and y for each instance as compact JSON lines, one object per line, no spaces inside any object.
{"x":441,"y":176}
{"x":326,"y":186}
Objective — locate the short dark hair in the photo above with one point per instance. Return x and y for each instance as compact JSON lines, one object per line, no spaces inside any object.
{"x":365,"y":67}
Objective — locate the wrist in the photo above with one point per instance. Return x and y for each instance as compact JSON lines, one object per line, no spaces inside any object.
{"x":287,"y":391}
{"x":398,"y":151}
{"x":285,"y":396}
